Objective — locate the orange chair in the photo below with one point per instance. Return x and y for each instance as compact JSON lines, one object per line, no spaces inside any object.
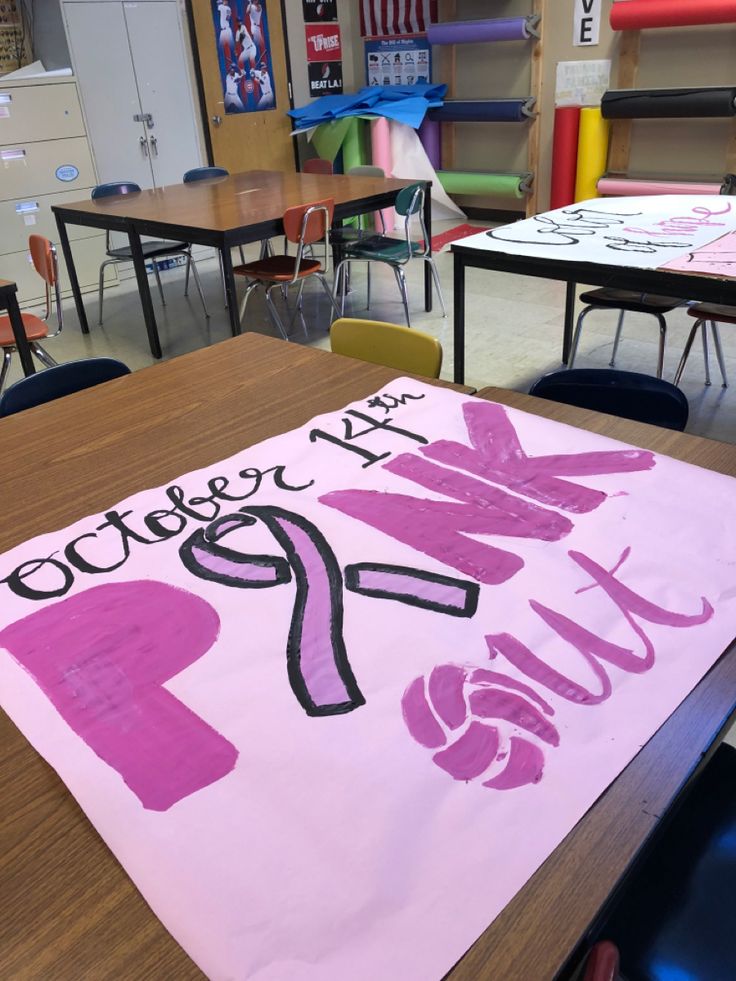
{"x":46,"y":265}
{"x":317,"y":166}
{"x":307,"y":226}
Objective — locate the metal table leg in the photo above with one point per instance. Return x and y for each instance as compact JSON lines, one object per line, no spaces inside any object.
{"x":9,"y":300}
{"x":428,"y":227}
{"x":569,"y":321}
{"x":139,"y":264}
{"x":72,"y":272}
{"x":459,"y":315}
{"x":230,"y":290}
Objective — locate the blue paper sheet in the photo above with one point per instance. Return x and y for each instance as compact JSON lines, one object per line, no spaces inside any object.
{"x":405,"y":103}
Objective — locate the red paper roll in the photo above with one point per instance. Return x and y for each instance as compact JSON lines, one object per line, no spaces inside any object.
{"x":565,"y":156}
{"x":635,"y":14}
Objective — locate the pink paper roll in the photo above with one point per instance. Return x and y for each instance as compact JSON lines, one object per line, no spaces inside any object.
{"x":622,"y":187}
{"x":381,"y":154}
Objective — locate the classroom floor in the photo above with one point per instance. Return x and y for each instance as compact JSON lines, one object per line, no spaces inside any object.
{"x":514,"y":331}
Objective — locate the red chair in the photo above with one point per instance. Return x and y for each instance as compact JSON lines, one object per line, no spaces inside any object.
{"x":43,"y":255}
{"x":317,"y":166}
{"x":307,"y":226}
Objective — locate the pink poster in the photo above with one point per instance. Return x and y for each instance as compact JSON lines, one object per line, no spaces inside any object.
{"x":717,"y":258}
{"x":332,"y":701}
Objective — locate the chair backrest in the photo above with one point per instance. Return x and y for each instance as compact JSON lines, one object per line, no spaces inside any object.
{"x":728,"y":185}
{"x":387,"y":344}
{"x":115,"y":187}
{"x":366,"y":170}
{"x":317,"y":166}
{"x":626,"y":394}
{"x":306,"y":224}
{"x":43,"y":255}
{"x":204,"y":173}
{"x":410,"y":200}
{"x":54,"y":383}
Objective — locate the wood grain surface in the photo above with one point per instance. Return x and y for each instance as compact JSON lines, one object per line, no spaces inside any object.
{"x":69,"y":910}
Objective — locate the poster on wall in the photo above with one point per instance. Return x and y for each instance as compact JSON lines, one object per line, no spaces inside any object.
{"x":317,"y":10}
{"x":244,"y":54}
{"x":398,"y":61}
{"x":587,"y":23}
{"x":325,"y":78}
{"x":324,"y":59}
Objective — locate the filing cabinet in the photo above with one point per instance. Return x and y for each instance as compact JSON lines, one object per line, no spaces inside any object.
{"x":45,"y":159}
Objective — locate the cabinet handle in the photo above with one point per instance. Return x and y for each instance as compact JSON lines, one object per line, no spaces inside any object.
{"x":154,"y":145}
{"x":144,"y":145}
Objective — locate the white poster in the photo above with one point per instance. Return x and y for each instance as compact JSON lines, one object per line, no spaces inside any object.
{"x":587,"y":22}
{"x":581,"y":83}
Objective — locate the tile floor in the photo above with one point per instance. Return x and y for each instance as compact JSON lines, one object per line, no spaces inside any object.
{"x":514,"y":331}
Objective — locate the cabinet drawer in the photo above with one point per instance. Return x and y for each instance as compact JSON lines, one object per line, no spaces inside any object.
{"x":88,"y":254}
{"x":33,"y":216}
{"x":39,"y":112}
{"x":44,"y":168}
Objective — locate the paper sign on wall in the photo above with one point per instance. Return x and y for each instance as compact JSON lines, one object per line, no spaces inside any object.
{"x":581,"y":83}
{"x":587,"y":22}
{"x":319,"y":10}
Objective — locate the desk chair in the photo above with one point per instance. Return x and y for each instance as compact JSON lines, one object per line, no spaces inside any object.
{"x":152,"y":250}
{"x":626,"y":394}
{"x":45,"y":262}
{"x":625,"y":301}
{"x":705,"y":313}
{"x":317,"y":166}
{"x":387,"y":344}
{"x":58,"y":381}
{"x":395,"y":253}
{"x":305,"y":225}
{"x":345,"y":233}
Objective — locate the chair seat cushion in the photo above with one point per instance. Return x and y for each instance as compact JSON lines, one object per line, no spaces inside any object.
{"x":149,"y":249}
{"x":278,"y":268}
{"x":382,"y":248}
{"x":713,"y":311}
{"x":35,"y":329}
{"x":630,"y":300}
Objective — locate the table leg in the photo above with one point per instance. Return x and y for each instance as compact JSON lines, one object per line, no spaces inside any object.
{"x":428,"y":229}
{"x":569,"y":321}
{"x":459,"y":314}
{"x":139,"y":264}
{"x":19,"y":333}
{"x":72,"y":273}
{"x":230,"y":290}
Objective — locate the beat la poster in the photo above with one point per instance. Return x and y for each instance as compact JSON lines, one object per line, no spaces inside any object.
{"x":244,"y":54}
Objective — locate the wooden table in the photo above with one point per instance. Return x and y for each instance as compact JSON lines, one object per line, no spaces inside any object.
{"x":69,"y":911}
{"x":9,"y":302}
{"x":222,"y":212}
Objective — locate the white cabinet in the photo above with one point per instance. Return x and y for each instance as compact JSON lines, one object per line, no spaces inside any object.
{"x":132,"y":65}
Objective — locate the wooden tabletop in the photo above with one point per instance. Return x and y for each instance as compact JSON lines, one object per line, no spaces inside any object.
{"x":69,"y":910}
{"x":227,"y":203}
{"x":7,"y":286}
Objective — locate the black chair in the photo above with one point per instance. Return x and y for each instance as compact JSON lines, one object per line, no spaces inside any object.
{"x":675,"y":916}
{"x":619,"y":393}
{"x":153,"y":250}
{"x":56,"y":382}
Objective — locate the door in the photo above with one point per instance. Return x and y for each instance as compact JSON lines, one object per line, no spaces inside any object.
{"x":164,"y":88}
{"x":242,"y":59}
{"x":101,"y":58}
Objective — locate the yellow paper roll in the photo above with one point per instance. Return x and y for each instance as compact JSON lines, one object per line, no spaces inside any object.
{"x":592,"y":153}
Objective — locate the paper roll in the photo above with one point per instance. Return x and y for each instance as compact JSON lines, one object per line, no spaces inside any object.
{"x":381,"y":154}
{"x":430,"y":134}
{"x":483,"y":111}
{"x":498,"y":185}
{"x":564,"y":156}
{"x":353,"y":149}
{"x":630,"y":187}
{"x":710,"y":102}
{"x":480,"y":31}
{"x":592,"y":153}
{"x":635,"y":14}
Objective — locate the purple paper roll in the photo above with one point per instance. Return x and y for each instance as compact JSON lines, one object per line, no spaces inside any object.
{"x":479,"y":31}
{"x":431,"y":138}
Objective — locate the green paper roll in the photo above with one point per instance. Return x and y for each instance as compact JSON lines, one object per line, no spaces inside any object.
{"x":498,"y":185}
{"x":353,"y":147}
{"x":329,"y":137}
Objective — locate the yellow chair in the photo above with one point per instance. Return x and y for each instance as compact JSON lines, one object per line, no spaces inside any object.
{"x":387,"y":344}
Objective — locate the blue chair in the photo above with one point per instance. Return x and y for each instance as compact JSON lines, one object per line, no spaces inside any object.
{"x":626,"y":394}
{"x":153,"y":250}
{"x":56,"y":382}
{"x":394,"y":252}
{"x":204,"y":174}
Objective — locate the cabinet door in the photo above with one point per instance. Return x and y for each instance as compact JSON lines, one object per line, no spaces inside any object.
{"x":102,"y":61}
{"x":160,"y":65}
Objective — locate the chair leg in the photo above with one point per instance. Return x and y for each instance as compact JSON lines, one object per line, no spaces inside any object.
{"x":719,"y":352}
{"x":576,"y":336}
{"x":436,"y":279}
{"x":662,"y":338}
{"x":326,"y":288}
{"x":368,"y":288}
{"x":198,"y":284}
{"x":222,"y":276}
{"x":617,"y":338}
{"x":43,"y":356}
{"x":246,"y":296}
{"x":706,"y":360}
{"x":401,"y":280}
{"x":7,"y":356}
{"x":186,"y":274}
{"x":100,"y":294}
{"x":685,"y":354}
{"x":274,"y":312}
{"x":158,"y":282}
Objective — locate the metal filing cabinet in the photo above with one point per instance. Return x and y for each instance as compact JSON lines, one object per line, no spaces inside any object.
{"x":45,"y":159}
